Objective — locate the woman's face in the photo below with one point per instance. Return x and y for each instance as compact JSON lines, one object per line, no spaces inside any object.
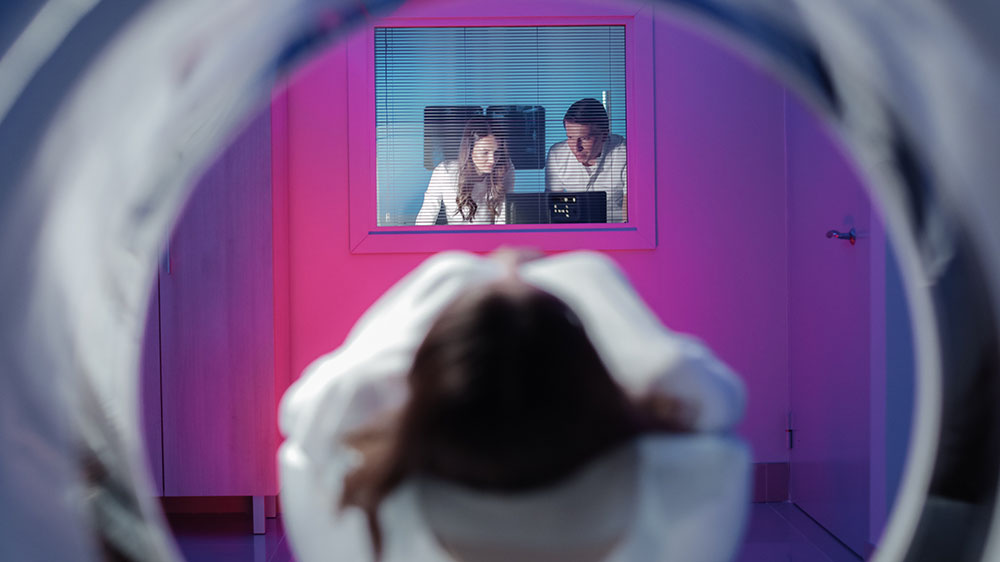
{"x":484,"y":154}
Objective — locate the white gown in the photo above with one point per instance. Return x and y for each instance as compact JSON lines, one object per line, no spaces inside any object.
{"x":442,"y":190}
{"x":691,"y":492}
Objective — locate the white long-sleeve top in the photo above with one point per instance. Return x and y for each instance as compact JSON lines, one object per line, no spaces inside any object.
{"x":563,"y":172}
{"x":443,"y":189}
{"x":690,"y":492}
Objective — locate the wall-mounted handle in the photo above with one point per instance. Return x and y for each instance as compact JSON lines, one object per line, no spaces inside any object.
{"x":851,"y":236}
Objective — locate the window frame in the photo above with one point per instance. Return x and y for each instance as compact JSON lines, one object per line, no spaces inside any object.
{"x":366,"y":236}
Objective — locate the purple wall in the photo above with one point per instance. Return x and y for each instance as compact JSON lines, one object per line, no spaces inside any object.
{"x":720,"y":268}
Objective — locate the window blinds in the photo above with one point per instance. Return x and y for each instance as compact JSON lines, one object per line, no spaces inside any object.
{"x":430,"y":80}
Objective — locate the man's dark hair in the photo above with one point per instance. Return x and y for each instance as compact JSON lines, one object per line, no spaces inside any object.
{"x":589,"y":111}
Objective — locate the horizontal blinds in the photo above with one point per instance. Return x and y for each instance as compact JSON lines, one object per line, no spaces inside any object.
{"x":429,"y":80}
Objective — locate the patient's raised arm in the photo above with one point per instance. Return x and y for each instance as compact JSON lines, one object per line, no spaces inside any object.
{"x":643,"y":355}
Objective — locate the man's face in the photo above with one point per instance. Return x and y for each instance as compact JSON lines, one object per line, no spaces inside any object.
{"x":585,"y":146}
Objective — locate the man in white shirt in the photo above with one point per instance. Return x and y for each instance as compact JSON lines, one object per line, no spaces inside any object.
{"x":590,"y":159}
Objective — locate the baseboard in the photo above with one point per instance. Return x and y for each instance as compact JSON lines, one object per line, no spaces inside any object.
{"x":211,"y":505}
{"x":770,"y":482}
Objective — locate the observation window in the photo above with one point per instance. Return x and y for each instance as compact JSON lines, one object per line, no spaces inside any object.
{"x":528,"y":132}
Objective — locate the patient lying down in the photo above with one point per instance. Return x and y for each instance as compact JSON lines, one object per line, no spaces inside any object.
{"x":501,"y":409}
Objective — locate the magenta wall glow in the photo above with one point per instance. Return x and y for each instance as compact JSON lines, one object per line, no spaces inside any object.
{"x":719,"y":270}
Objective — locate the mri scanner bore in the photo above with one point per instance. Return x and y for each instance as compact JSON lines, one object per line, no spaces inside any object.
{"x":79,"y":250}
{"x":810,"y":292}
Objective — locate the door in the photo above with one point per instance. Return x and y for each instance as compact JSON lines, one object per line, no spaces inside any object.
{"x":217,"y":330}
{"x":829,"y":327}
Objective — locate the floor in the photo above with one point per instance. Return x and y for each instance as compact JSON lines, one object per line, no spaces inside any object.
{"x":778,"y":532}
{"x":228,"y":538}
{"x":781,"y":532}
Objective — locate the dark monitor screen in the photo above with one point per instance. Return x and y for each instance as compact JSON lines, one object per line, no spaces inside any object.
{"x":524,"y":128}
{"x":556,"y":207}
{"x":443,"y":126}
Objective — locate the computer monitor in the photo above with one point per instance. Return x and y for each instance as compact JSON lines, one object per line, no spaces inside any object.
{"x":524,"y":128}
{"x":556,"y":207}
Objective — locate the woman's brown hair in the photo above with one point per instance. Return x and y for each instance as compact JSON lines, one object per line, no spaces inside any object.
{"x":477,"y":128}
{"x":507,"y":394}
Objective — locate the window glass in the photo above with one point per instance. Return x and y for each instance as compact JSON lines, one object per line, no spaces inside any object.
{"x":470,"y":130}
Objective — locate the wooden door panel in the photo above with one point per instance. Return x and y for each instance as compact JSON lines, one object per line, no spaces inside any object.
{"x":217,"y":330}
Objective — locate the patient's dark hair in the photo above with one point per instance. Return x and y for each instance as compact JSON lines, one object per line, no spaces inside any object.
{"x":507,"y":394}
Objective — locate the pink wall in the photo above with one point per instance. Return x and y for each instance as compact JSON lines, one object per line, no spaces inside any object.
{"x":719,"y":270}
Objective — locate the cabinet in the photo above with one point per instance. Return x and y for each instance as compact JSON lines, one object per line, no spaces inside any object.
{"x":208,"y":387}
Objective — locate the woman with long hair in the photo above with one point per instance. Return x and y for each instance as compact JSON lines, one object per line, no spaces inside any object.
{"x":487,"y":409}
{"x":471,"y":188}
